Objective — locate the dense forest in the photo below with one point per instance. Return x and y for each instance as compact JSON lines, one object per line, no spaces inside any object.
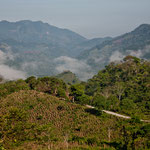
{"x":122,"y":87}
{"x":47,"y":113}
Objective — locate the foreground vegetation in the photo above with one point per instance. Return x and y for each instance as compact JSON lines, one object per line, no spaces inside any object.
{"x":122,"y":87}
{"x":46,"y":113}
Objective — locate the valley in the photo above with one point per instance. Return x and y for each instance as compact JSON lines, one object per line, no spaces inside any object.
{"x":36,"y":48}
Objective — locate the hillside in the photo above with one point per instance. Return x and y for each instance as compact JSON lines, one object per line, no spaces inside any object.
{"x":41,"y":121}
{"x":37,"y":32}
{"x":32,"y":46}
{"x":122,"y":87}
{"x":88,"y":44}
{"x":34,"y":120}
{"x":46,"y":113}
{"x":136,"y":43}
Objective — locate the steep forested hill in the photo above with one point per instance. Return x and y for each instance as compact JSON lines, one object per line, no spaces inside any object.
{"x":122,"y":87}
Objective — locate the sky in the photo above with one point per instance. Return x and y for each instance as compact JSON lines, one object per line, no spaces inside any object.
{"x":90,"y":18}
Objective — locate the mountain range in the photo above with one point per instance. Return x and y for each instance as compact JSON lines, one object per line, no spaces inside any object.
{"x":136,"y":43}
{"x":36,"y":48}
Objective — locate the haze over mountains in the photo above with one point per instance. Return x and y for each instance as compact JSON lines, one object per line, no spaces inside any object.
{"x":36,"y":48}
{"x":136,"y":43}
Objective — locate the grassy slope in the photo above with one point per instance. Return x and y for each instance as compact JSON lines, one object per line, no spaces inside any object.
{"x":57,"y":121}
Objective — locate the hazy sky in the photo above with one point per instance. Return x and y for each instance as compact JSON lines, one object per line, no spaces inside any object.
{"x":91,"y":18}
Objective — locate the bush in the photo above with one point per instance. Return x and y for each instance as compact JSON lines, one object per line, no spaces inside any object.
{"x":14,"y":127}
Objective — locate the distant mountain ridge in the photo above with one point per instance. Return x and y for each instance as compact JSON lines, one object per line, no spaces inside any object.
{"x":40,"y":49}
{"x":136,"y":43}
{"x":29,"y":35}
{"x":86,"y":45}
{"x":32,"y":46}
{"x":27,"y":31}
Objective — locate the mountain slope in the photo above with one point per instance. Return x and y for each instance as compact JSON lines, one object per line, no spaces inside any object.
{"x":31,"y":37}
{"x":39,"y":121}
{"x":27,"y":31}
{"x":135,"y":43}
{"x":32,"y":117}
{"x":122,"y":87}
{"x":32,"y":46}
{"x":86,"y":45}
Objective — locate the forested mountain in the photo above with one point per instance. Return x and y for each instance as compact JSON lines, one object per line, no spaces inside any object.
{"x":135,"y":43}
{"x":37,"y":32}
{"x":31,"y":47}
{"x":86,"y":45}
{"x":36,"y":41}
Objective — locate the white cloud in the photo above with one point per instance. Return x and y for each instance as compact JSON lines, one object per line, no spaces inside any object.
{"x":30,"y":65}
{"x":136,"y":53}
{"x":80,"y":68}
{"x":7,"y":72}
{"x":116,"y":56}
{"x":10,"y":73}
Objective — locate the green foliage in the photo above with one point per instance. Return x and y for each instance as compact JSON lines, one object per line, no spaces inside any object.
{"x":122,"y":87}
{"x":31,"y":118}
{"x":61,"y":93}
{"x":36,"y":119}
{"x":50,"y":85}
{"x":134,"y":135}
{"x":32,"y":82}
{"x":99,"y":101}
{"x":128,"y":105}
{"x":12,"y":86}
{"x":14,"y":128}
{"x":78,"y":139}
{"x":83,"y":140}
{"x":77,"y":91}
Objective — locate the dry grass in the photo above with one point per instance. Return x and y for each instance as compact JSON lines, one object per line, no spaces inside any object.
{"x":57,"y":121}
